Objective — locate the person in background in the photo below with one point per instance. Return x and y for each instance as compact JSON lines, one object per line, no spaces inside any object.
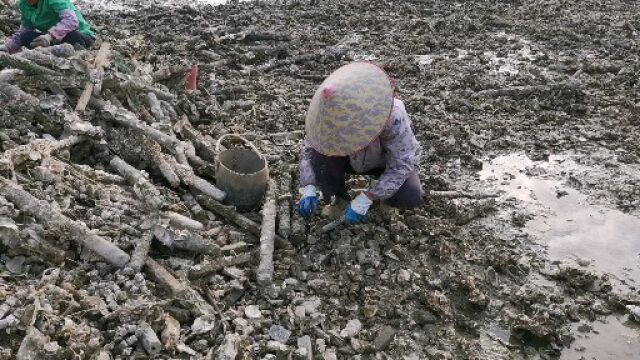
{"x":49,"y":22}
{"x":355,"y":125}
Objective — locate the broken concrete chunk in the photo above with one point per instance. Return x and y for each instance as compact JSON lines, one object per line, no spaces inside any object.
{"x":279,"y":333}
{"x":304,"y":344}
{"x":228,"y":350}
{"x":384,"y":338}
{"x":252,"y":312}
{"x":277,"y":347}
{"x":149,"y":339}
{"x":352,"y":328}
{"x":203,"y":324}
{"x":634,"y":310}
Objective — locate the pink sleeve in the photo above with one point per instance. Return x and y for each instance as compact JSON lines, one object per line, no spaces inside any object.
{"x":403,"y":154}
{"x":68,"y":23}
{"x":307,"y":175}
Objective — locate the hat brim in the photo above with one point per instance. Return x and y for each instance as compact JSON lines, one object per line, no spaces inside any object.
{"x":355,"y":113}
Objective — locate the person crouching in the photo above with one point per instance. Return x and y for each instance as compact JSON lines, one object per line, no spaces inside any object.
{"x":48,"y":22}
{"x":355,"y":125}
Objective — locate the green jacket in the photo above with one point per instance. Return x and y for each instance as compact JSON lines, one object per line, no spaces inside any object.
{"x":49,"y":13}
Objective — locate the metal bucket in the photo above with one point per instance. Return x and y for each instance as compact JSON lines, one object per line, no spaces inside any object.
{"x":241,"y":173}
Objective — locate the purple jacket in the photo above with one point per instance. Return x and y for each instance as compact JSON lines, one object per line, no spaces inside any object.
{"x":395,"y":149}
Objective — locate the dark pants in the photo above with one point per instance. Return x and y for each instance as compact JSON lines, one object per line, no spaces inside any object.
{"x":74,"y":38}
{"x":331,"y":171}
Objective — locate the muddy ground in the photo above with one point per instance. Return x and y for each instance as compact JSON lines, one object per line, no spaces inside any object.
{"x":537,"y":102}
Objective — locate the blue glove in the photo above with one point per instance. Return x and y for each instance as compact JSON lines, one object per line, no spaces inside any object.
{"x":309,"y":202}
{"x":357,"y":211}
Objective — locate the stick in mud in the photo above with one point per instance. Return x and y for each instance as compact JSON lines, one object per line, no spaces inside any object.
{"x":97,"y":70}
{"x":479,"y":209}
{"x":452,"y":194}
{"x":284,"y":207}
{"x":178,"y":289}
{"x":48,"y":214}
{"x":230,"y":214}
{"x":150,"y":195}
{"x":220,"y":264}
{"x":154,"y":151}
{"x":522,"y":91}
{"x":29,"y":67}
{"x":264,"y":273}
{"x":164,"y":278}
{"x":332,"y":225}
{"x":141,"y":251}
{"x":185,"y":241}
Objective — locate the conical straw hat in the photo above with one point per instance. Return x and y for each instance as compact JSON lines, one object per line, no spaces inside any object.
{"x":350,"y":109}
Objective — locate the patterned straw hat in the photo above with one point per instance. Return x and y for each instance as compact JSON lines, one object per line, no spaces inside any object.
{"x":350,"y":109}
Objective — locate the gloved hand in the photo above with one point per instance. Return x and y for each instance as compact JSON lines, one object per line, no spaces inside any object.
{"x":42,"y":41}
{"x":4,"y":49}
{"x":357,"y":211}
{"x":309,"y":202}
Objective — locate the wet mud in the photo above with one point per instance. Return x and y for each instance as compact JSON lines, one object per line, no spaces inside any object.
{"x":532,"y":105}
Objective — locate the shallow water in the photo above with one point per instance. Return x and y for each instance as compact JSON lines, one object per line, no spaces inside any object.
{"x":564,"y":221}
{"x":604,"y":239}
{"x":614,"y":338}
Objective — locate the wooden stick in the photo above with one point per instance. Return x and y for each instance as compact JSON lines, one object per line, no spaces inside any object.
{"x":37,"y":149}
{"x":522,"y":91}
{"x":29,"y":67}
{"x":149,"y":194}
{"x":459,"y":194}
{"x":189,"y":178}
{"x":185,"y":241}
{"x":230,"y":214}
{"x":127,"y":118}
{"x":32,"y":243}
{"x":164,"y":278}
{"x":480,"y":209}
{"x":332,"y":225}
{"x":97,"y":71}
{"x":48,"y":60}
{"x":15,"y":93}
{"x":141,"y":251}
{"x":50,"y":215}
{"x":182,"y":150}
{"x":284,"y":207}
{"x":154,"y":151}
{"x":178,"y":289}
{"x":183,"y":222}
{"x":220,"y":264}
{"x":204,"y":144}
{"x":264,"y":273}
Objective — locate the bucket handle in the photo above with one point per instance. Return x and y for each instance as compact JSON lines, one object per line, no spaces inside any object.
{"x":241,"y":138}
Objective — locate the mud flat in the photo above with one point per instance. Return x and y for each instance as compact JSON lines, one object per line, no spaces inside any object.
{"x":534,"y":104}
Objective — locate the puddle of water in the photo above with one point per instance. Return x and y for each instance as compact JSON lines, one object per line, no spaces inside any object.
{"x":610,"y":339}
{"x":564,"y":221}
{"x":570,"y":227}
